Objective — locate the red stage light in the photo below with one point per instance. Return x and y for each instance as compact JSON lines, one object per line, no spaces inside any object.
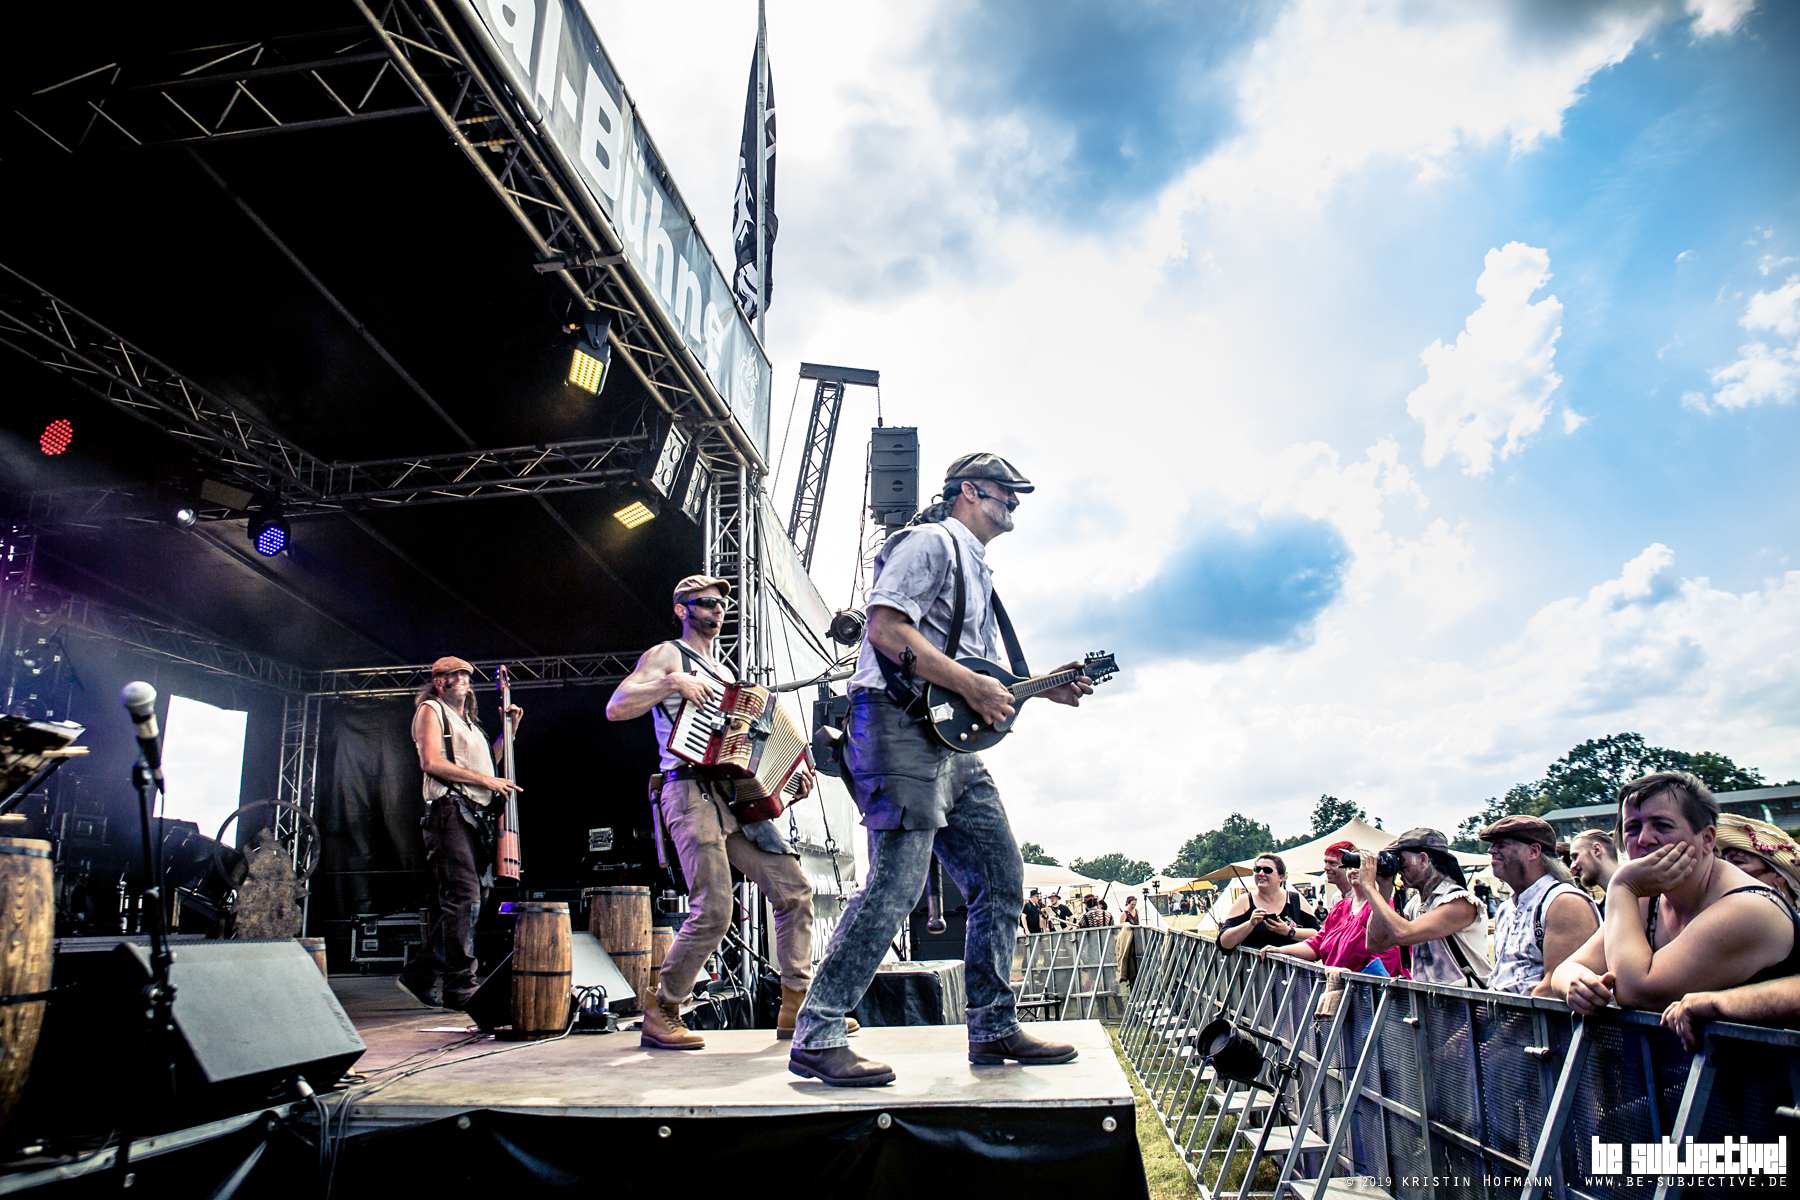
{"x":56,"y":436}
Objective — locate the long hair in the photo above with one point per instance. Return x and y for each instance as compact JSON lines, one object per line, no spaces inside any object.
{"x":428,"y":691}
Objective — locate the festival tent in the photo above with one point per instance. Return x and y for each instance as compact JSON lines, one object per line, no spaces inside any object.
{"x":1044,"y":878}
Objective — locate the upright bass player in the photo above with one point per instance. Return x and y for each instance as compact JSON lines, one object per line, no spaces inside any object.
{"x":461,"y":810}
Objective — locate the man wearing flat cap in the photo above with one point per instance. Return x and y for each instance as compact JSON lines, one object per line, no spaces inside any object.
{"x":460,"y":790}
{"x":709,"y":840}
{"x":1548,"y":917}
{"x":917,"y":796}
{"x":1443,"y":924}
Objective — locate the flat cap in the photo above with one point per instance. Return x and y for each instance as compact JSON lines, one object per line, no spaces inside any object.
{"x":1422,"y":838}
{"x":1521,"y":828}
{"x":449,"y":663}
{"x":699,"y":583}
{"x":982,"y":465}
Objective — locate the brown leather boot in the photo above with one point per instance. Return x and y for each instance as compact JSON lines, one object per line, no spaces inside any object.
{"x":663,"y":1029}
{"x":791,"y":1000}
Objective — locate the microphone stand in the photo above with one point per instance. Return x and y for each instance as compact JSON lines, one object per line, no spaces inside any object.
{"x":159,"y":993}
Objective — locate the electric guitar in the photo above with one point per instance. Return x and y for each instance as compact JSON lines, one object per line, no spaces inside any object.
{"x":957,"y":726}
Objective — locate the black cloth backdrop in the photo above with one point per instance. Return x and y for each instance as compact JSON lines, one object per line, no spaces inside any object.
{"x":578,"y":770}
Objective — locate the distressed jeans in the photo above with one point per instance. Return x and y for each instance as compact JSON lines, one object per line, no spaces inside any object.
{"x":978,"y":850}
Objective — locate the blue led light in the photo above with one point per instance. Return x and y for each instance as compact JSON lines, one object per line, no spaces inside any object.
{"x":272,"y":539}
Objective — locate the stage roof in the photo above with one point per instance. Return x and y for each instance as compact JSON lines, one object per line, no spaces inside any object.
{"x":359,"y":288}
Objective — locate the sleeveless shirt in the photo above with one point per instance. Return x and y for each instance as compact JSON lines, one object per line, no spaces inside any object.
{"x":706,"y":667}
{"x":469,"y":748}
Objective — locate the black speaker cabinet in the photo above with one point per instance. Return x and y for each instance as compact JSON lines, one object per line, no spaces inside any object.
{"x":249,"y":1016}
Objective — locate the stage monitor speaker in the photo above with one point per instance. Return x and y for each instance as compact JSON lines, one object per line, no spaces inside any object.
{"x":590,"y":966}
{"x":249,"y":1016}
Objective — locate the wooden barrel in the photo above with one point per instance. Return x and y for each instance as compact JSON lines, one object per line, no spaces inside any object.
{"x":620,"y":918}
{"x":27,"y":923}
{"x":315,"y":946}
{"x":542,"y":969}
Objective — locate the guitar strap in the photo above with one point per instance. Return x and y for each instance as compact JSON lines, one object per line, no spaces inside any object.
{"x":1014,"y":655}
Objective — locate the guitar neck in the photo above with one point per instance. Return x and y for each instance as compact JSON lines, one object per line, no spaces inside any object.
{"x":1037,"y":685}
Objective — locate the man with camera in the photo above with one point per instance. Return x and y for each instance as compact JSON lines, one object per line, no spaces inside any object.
{"x":1442,"y":922}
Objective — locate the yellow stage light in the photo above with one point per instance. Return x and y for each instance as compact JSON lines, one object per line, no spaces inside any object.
{"x":634,"y":514}
{"x":587,"y":371}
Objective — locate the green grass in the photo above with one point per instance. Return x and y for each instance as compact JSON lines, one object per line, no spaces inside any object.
{"x":1164,"y":1168}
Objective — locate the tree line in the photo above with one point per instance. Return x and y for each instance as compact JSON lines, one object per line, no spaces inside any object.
{"x":1589,"y":774}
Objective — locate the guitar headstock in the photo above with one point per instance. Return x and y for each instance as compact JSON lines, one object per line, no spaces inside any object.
{"x":1099,"y":666}
{"x":501,"y":678}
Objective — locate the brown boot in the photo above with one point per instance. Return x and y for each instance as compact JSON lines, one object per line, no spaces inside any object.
{"x":663,"y":1029}
{"x":791,"y":1000}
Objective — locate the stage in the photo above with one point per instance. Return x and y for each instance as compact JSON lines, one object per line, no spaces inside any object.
{"x":589,"y":1108}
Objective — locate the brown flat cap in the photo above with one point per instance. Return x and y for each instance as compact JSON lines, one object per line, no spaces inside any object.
{"x":1521,"y":828}
{"x":699,"y":583}
{"x":982,"y":465}
{"x":449,"y":663}
{"x":1421,"y":838}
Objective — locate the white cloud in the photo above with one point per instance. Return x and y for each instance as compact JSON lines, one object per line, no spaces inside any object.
{"x":1765,"y":372}
{"x":1496,"y":381}
{"x":1715,"y":17}
{"x":1768,"y":264}
{"x":1573,"y":420}
{"x":1776,"y":312}
{"x":1684,"y":256}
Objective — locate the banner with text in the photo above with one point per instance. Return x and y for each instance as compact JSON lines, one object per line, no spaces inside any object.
{"x":553,"y":58}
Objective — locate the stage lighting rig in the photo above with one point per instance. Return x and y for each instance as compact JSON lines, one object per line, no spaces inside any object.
{"x":634,"y":513}
{"x":269,"y":530}
{"x":589,"y":352}
{"x":185,"y":516}
{"x":57,"y":437}
{"x":847,"y":626}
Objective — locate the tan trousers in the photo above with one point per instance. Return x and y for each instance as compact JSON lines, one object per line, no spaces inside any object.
{"x":709,"y":844}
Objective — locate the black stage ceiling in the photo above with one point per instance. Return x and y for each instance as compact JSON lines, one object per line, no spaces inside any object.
{"x":403,"y":317}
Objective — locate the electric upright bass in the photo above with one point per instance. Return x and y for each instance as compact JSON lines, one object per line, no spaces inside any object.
{"x":506,"y":843}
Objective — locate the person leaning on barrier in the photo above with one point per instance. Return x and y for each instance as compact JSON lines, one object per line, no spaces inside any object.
{"x":1442,"y":923}
{"x":1343,"y":942}
{"x":1269,"y":914}
{"x":1593,"y":861}
{"x":1031,"y":916}
{"x":1771,"y":1002}
{"x":1762,"y":851}
{"x":1548,"y":917}
{"x":1094,"y":914}
{"x":1678,"y":919}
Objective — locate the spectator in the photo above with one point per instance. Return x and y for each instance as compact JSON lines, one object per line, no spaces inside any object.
{"x":1594,"y":861}
{"x":1268,"y":914}
{"x":1771,"y":1002}
{"x":1762,"y":851}
{"x":1057,"y":914}
{"x":1484,"y":896}
{"x":1344,"y":940}
{"x":1548,"y":917}
{"x":1442,"y":922}
{"x":1031,"y":916}
{"x":1094,"y":914}
{"x":1678,"y":919}
{"x":1129,"y":916}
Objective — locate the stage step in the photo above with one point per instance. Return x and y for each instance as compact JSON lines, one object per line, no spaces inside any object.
{"x":1281,"y":1139}
{"x":1349,"y":1188}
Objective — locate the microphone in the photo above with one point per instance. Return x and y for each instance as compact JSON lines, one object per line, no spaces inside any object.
{"x":139,"y":699}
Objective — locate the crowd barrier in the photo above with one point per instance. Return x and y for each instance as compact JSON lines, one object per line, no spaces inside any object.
{"x":1070,"y":975}
{"x":1412,"y":1090}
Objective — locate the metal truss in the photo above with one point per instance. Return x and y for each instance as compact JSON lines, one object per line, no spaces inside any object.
{"x":815,"y":466}
{"x":730,"y":554}
{"x":465,"y":93}
{"x":71,"y":344}
{"x":224,"y":92}
{"x":544,"y":470}
{"x":556,"y":670}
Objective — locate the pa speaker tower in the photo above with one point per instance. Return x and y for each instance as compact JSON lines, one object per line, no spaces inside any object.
{"x":893,"y":475}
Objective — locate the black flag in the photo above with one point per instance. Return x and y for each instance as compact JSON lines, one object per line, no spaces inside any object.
{"x":753,"y":206}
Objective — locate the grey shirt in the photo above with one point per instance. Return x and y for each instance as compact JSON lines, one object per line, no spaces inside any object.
{"x":913,"y":573}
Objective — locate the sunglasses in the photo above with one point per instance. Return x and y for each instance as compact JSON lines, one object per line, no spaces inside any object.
{"x":1009,"y":505}
{"x":1262,"y":870}
{"x":706,"y":602}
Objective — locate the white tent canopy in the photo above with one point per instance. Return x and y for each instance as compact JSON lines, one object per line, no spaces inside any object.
{"x":1309,"y":857}
{"x":1044,"y":878}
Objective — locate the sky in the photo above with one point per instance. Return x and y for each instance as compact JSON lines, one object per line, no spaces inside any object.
{"x":1409,"y":387}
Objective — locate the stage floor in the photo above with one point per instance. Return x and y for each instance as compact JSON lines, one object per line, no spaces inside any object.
{"x":741,"y":1073}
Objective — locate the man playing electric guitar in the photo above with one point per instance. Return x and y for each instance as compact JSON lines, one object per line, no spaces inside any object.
{"x":916,"y":794}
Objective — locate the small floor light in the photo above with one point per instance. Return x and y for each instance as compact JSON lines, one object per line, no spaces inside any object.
{"x":1232,"y":1054}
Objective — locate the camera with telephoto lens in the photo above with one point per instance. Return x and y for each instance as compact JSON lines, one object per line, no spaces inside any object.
{"x":1387,"y":862}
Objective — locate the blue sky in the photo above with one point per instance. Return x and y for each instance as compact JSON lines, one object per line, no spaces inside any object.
{"x":1410,"y":386}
